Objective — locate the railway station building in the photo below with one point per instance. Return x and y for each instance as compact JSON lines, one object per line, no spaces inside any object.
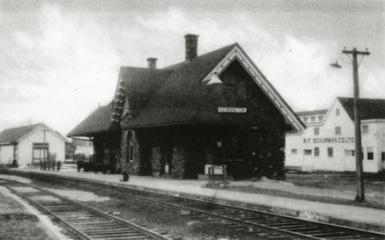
{"x":327,"y":144}
{"x":216,"y":108}
{"x":211,"y":109}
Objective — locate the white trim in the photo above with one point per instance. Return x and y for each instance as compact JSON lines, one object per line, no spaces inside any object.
{"x":238,"y":54}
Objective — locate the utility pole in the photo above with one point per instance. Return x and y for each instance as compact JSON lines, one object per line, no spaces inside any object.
{"x":44,"y":130}
{"x":357,"y":124}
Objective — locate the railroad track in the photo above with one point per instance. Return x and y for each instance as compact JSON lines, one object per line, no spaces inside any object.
{"x":82,"y":221}
{"x":248,"y":221}
{"x":243,"y":219}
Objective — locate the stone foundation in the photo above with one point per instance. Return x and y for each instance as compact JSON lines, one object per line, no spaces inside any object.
{"x":186,"y":152}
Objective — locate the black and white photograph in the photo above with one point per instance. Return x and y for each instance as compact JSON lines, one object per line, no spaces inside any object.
{"x":192,"y":120}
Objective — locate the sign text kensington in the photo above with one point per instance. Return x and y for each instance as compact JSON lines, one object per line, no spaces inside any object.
{"x":232,"y":109}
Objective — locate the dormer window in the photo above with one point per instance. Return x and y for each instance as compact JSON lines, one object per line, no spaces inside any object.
{"x":312,"y":118}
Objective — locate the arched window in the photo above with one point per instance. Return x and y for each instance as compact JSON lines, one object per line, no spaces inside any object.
{"x":130,"y":146}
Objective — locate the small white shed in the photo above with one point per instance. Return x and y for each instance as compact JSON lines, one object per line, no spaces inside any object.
{"x":28,"y":145}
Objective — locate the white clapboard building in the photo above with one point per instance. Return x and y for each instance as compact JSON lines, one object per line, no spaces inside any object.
{"x":27,"y":145}
{"x":327,"y":144}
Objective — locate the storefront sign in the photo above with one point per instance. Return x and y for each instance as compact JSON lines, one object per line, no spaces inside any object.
{"x":232,"y":109}
{"x":329,"y":140}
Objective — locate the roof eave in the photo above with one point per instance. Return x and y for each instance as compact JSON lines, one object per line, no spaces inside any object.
{"x":8,"y":143}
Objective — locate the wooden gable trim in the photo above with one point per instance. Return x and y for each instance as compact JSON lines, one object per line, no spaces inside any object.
{"x":238,"y":54}
{"x":119,"y":100}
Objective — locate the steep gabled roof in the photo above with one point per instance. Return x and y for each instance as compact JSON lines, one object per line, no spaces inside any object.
{"x":97,"y":122}
{"x":12,"y":135}
{"x":179,"y":96}
{"x":140,"y":85}
{"x":178,"y":92}
{"x":367,"y":108}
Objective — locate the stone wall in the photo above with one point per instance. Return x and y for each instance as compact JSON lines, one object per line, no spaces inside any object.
{"x":155,"y":160}
{"x":188,"y":151}
{"x":130,"y":167}
{"x":271,"y":159}
{"x":178,"y":162}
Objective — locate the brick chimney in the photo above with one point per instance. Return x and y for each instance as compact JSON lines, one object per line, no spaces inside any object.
{"x":191,"y":41}
{"x":151,"y":62}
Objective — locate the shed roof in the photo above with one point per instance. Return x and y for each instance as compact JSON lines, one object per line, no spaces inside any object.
{"x":11,"y":135}
{"x":368,"y":108}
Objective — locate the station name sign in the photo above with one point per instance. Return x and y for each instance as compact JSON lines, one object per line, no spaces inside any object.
{"x":232,"y":110}
{"x":329,"y":140}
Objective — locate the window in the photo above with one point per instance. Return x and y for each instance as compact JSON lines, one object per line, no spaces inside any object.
{"x":316,"y":152}
{"x":320,"y":118}
{"x":370,"y":154}
{"x":337,"y":112}
{"x":316,"y":131}
{"x":40,"y":152}
{"x":365,"y":128}
{"x":307,"y":152}
{"x":293,"y":151}
{"x":312,"y":118}
{"x":338,"y":130}
{"x":130,"y":151}
{"x":15,"y":153}
{"x":305,"y":119}
{"x":349,"y":153}
{"x":383,"y":156}
{"x":330,"y":152}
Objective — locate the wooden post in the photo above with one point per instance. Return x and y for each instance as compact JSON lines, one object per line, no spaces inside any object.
{"x":357,"y":125}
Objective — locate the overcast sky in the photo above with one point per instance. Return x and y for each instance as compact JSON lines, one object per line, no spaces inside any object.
{"x":59,"y":59}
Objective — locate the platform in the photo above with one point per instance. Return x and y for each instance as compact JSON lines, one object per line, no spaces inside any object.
{"x":347,"y":215}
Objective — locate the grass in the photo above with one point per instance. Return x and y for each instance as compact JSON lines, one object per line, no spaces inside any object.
{"x":21,"y":229}
{"x":340,"y":181}
{"x":16,"y":224}
{"x":374,"y":187}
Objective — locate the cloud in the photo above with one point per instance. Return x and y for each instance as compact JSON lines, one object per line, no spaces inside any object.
{"x":58,"y":70}
{"x":299,"y":68}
